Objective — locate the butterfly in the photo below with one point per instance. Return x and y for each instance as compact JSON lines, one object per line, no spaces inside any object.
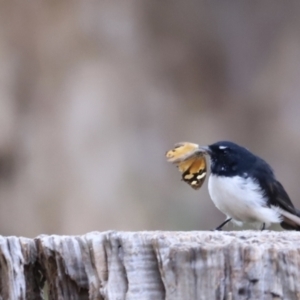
{"x":191,"y":163}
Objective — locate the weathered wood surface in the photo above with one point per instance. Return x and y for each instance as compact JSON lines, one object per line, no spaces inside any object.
{"x":152,"y":265}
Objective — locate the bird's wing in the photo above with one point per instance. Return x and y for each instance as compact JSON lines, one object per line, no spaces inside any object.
{"x":278,"y":197}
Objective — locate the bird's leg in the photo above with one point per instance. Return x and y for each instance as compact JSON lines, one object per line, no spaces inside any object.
{"x":219,"y":228}
{"x":263,"y":227}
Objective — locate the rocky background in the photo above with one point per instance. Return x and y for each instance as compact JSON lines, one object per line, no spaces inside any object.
{"x":92,"y":94}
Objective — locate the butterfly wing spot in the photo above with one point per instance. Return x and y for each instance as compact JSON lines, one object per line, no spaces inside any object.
{"x":201,"y":176}
{"x":190,"y":162}
{"x":188,"y":176}
{"x":194,"y":179}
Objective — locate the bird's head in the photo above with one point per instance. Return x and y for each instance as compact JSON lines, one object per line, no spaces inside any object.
{"x":228,"y":158}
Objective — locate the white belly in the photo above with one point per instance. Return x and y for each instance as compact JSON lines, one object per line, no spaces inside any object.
{"x":241,"y":199}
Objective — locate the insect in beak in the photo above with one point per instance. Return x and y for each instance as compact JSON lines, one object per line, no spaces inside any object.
{"x":190,"y":161}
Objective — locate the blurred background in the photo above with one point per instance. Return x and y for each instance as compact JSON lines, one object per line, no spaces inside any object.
{"x":93,"y":93}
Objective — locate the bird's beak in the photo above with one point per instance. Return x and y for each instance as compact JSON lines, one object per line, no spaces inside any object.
{"x":205,"y":149}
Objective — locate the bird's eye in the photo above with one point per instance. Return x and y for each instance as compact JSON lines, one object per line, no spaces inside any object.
{"x":225,"y":151}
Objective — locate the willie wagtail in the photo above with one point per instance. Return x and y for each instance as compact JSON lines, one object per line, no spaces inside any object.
{"x":243,"y":186}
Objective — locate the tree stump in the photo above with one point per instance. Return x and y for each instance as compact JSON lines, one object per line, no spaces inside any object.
{"x":152,"y":265}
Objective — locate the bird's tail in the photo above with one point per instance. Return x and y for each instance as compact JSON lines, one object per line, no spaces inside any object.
{"x":290,"y":221}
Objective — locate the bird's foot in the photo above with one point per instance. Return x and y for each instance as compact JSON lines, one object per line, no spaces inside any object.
{"x":220,"y":227}
{"x":217,"y":229}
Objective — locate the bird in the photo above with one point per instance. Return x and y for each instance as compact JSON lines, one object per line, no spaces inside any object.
{"x":243,"y":186}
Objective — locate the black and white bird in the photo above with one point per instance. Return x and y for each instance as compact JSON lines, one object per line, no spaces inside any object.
{"x":243,"y":186}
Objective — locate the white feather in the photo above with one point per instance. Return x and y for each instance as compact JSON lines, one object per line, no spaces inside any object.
{"x":290,"y":216}
{"x":241,"y":199}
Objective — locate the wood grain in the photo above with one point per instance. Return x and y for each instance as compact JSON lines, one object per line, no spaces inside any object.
{"x":152,"y":265}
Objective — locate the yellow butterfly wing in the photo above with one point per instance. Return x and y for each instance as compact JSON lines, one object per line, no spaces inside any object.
{"x":190,"y":162}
